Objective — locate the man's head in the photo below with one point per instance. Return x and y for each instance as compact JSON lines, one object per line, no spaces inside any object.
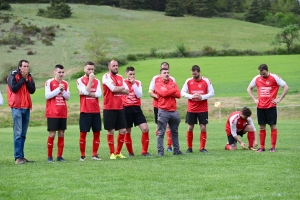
{"x":89,"y":68}
{"x":195,"y":72}
{"x":23,"y":66}
{"x":164,"y":73}
{"x":130,"y":72}
{"x":164,"y":65}
{"x":263,"y":70}
{"x":113,"y":67}
{"x":245,"y":113}
{"x":59,"y":72}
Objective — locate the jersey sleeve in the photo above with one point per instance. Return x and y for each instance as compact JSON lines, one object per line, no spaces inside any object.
{"x":48,"y":93}
{"x":137,"y":88}
{"x":233,"y":122}
{"x":250,"y":121}
{"x":106,"y":80}
{"x":152,"y":84}
{"x":185,"y":90}
{"x":210,"y":89}
{"x":66,"y":93}
{"x":98,"y":92}
{"x":81,"y":87}
{"x":1,"y":99}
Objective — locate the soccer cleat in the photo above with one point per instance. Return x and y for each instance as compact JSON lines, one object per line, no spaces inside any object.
{"x":50,"y":159}
{"x":177,"y":153}
{"x":252,"y":148}
{"x":113,"y":157}
{"x":260,"y":150}
{"x":19,"y":161}
{"x":131,"y":155}
{"x":82,"y":158}
{"x":203,"y":150}
{"x":272,"y":150}
{"x":25,"y":160}
{"x":169,"y":149}
{"x":120,"y":156}
{"x":96,"y":157}
{"x":189,"y":150}
{"x":146,"y":154}
{"x":60,"y":159}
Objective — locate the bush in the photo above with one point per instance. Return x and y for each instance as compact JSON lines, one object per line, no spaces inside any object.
{"x":77,"y":75}
{"x":207,"y":50}
{"x":47,"y":42}
{"x":6,"y":69}
{"x":57,"y":11}
{"x":182,"y":50}
{"x":4,"y":5}
{"x":131,"y":57}
{"x":31,"y":52}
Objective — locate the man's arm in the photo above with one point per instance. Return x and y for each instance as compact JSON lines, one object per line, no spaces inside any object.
{"x":250,"y":92}
{"x":284,"y":92}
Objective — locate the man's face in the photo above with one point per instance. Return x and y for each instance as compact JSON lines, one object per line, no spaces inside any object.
{"x":25,"y":67}
{"x":165,"y":75}
{"x":113,"y":67}
{"x":130,"y":75}
{"x":88,"y":69}
{"x":263,"y":73}
{"x":196,"y":75}
{"x":59,"y":73}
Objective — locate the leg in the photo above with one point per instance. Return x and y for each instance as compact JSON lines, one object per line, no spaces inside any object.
{"x":17,"y":128}
{"x":82,"y":143}
{"x":25,"y":122}
{"x":50,"y":142}
{"x":273,"y":137}
{"x":96,"y":143}
{"x":145,"y":137}
{"x":190,"y":136}
{"x":162,"y":121}
{"x":128,"y":142}
{"x":203,"y":137}
{"x":174,"y":124}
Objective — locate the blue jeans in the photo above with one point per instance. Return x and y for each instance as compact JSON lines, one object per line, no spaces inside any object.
{"x":21,"y":121}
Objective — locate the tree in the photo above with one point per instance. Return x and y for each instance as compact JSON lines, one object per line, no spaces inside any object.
{"x":4,"y":5}
{"x":203,"y":8}
{"x":287,"y":36}
{"x":174,"y":8}
{"x":254,"y":13}
{"x":58,"y":9}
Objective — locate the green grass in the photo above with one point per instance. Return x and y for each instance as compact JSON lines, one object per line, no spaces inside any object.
{"x":218,"y":175}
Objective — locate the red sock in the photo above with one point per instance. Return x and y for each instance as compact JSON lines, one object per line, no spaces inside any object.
{"x":145,"y":142}
{"x":202,"y":140}
{"x":111,"y":143}
{"x":128,"y":142}
{"x":262,"y":138}
{"x":120,"y":143}
{"x":60,"y":146}
{"x":273,"y":138}
{"x":96,"y":143}
{"x":169,"y":136}
{"x":189,"y":139}
{"x":250,"y":137}
{"x":156,"y":132}
{"x":50,"y":146}
{"x":82,"y":142}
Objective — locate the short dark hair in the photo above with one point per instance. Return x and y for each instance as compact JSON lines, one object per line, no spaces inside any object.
{"x":263,"y":67}
{"x":129,"y":68}
{"x":162,"y":69}
{"x":246,"y":111}
{"x":89,"y":63}
{"x":59,"y":66}
{"x":20,"y":62}
{"x":164,"y":64}
{"x":195,"y":68}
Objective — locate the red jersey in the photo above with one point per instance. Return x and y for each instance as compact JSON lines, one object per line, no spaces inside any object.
{"x":56,"y":106}
{"x":89,"y":104}
{"x":152,"y":87}
{"x":167,"y":92}
{"x":235,"y":123}
{"x":112,"y":101}
{"x":202,"y":87}
{"x":135,"y":93}
{"x":267,"y":89}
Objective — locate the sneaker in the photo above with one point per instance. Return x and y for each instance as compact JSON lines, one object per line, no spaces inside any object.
{"x":19,"y":161}
{"x":252,"y":148}
{"x":113,"y":157}
{"x":50,"y":159}
{"x":177,"y":153}
{"x":260,"y":150}
{"x":160,"y":154}
{"x":203,"y":150}
{"x":82,"y":158}
{"x":25,"y":160}
{"x":130,"y":154}
{"x":146,"y":154}
{"x":60,"y":159}
{"x":120,"y":156}
{"x":169,"y":149}
{"x":272,"y":150}
{"x":96,"y":157}
{"x":189,"y":150}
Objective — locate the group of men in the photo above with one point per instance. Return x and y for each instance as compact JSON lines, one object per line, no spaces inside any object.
{"x":122,"y":110}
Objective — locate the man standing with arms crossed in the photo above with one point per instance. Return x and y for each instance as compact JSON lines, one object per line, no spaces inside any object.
{"x":20,"y":86}
{"x":89,"y":90}
{"x":133,"y":112}
{"x":167,"y":91}
{"x":113,"y":111}
{"x":267,"y":88}
{"x":57,"y":93}
{"x":197,"y":90}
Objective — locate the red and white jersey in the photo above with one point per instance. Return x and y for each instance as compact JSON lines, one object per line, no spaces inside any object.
{"x":112,"y":100}
{"x":56,"y":106}
{"x":135,"y":94}
{"x":167,"y":92}
{"x":203,"y":87}
{"x":236,"y":123}
{"x":267,"y":89}
{"x":154,"y":80}
{"x":89,"y":104}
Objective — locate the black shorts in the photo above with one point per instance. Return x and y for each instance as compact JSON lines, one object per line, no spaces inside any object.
{"x":55,"y":124}
{"x":155,"y":110}
{"x":134,"y":115}
{"x":232,"y":140}
{"x":267,"y":116}
{"x":88,"y":120}
{"x":114,"y":119}
{"x":193,"y":118}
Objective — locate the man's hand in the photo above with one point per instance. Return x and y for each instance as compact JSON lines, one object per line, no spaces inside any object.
{"x":91,"y":76}
{"x":243,"y":145}
{"x":61,"y":87}
{"x":131,"y":80}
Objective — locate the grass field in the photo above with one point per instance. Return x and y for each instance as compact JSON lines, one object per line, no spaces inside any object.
{"x":218,"y":175}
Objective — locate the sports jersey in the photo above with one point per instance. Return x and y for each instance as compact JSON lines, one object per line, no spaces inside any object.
{"x":56,"y":106}
{"x":112,"y":100}
{"x":89,"y":104}
{"x":167,"y":92}
{"x":135,"y":93}
{"x":203,"y":87}
{"x":236,"y":122}
{"x":152,"y":86}
{"x":267,"y":89}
